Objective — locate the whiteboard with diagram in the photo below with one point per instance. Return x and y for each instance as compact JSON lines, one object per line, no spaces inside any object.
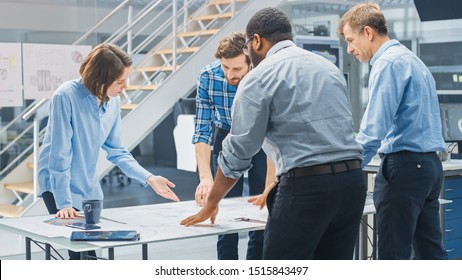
{"x":47,"y":66}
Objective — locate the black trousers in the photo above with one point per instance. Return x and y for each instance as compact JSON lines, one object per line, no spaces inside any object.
{"x":227,"y":245}
{"x":315,"y":217}
{"x":50,"y":203}
{"x":406,"y":193}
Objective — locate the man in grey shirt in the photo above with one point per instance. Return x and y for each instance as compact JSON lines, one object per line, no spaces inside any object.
{"x":296,"y":104}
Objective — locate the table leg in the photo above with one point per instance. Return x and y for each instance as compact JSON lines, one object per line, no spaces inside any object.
{"x":374,"y":238}
{"x":28,"y":250}
{"x":47,"y":251}
{"x":356,"y":253}
{"x":361,"y":240}
{"x":145,"y":251}
{"x":111,"y":253}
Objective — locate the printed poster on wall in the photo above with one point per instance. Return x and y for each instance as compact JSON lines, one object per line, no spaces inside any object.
{"x":47,"y":66}
{"x":10,"y":75}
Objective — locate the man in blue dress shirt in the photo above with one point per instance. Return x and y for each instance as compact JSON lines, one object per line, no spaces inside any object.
{"x":296,"y":104}
{"x":402,"y":124}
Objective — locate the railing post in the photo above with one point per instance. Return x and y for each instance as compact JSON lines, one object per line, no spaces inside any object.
{"x":35,"y":153}
{"x":129,"y":44}
{"x":35,"y":144}
{"x":130,"y":32}
{"x":174,"y":15}
{"x":233,"y":7}
{"x":185,"y":15}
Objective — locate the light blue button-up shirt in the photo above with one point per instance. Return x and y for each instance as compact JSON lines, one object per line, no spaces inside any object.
{"x":403,"y":111}
{"x":296,"y":103}
{"x":76,"y":130}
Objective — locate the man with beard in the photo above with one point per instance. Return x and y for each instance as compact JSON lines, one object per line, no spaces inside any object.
{"x":216,"y":88}
{"x":296,"y":104}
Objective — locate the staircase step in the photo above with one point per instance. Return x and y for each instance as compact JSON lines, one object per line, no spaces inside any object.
{"x":130,"y":106}
{"x":157,"y":68}
{"x":27,"y":187}
{"x":222,"y":2}
{"x":214,"y":16}
{"x":138,"y":87}
{"x":198,"y":33}
{"x":10,"y":210}
{"x":183,"y":50}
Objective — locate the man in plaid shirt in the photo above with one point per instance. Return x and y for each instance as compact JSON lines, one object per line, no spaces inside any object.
{"x":216,"y":87}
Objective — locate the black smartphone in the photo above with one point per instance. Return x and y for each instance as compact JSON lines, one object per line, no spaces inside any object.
{"x":83,"y":226}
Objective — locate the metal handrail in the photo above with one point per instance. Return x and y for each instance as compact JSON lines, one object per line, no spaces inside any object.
{"x":18,"y":117}
{"x":23,"y":153}
{"x":28,"y":113}
{"x":11,"y":143}
{"x":150,"y":38}
{"x":161,"y":44}
{"x":119,"y":34}
{"x":159,"y":30}
{"x":20,"y":155}
{"x":128,"y":27}
{"x":153,"y":34}
{"x":137,"y":93}
{"x":168,"y":40}
{"x":133,"y":97}
{"x":37,"y":104}
{"x":101,"y":22}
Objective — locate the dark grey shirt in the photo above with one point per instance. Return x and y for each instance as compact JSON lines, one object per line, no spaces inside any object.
{"x":296,"y":104}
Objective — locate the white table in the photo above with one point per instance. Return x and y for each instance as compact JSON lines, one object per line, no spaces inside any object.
{"x":155,"y":223}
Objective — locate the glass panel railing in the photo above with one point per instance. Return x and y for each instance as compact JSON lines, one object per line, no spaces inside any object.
{"x":17,"y":136}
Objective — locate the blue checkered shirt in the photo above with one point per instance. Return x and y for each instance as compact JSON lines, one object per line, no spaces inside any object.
{"x":213,"y":102}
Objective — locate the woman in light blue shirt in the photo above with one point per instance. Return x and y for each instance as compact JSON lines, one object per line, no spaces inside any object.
{"x":84,"y":116}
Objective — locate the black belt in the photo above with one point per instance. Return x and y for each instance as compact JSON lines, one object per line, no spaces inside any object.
{"x":221,"y":131}
{"x":403,"y":152}
{"x":328,"y":168}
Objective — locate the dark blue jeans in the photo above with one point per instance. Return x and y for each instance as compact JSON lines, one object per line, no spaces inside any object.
{"x":406,"y":193}
{"x":315,"y":217}
{"x":50,"y":203}
{"x":227,"y":245}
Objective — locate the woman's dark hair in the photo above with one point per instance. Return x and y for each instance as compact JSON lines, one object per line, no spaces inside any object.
{"x":103,"y":65}
{"x":271,"y":24}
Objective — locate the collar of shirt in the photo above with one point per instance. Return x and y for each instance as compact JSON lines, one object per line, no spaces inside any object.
{"x":382,"y":49}
{"x":85,"y":93}
{"x":279,"y":46}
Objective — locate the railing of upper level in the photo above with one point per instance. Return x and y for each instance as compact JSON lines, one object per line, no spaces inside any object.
{"x":154,"y":28}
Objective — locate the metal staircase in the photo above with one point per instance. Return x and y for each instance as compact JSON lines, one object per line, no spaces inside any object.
{"x":171,"y":58}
